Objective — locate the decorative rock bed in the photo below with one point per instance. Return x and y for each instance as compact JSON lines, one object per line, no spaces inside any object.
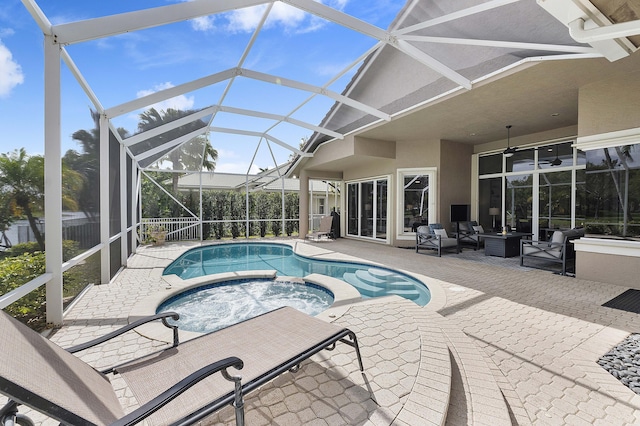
{"x":623,"y":362}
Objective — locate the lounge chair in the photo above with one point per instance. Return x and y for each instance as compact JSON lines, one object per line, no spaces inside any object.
{"x":326,"y":229}
{"x":434,"y":237}
{"x":39,"y":374}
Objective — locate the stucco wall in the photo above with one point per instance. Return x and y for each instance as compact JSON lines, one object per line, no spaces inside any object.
{"x":454,"y":177}
{"x":608,"y":268}
{"x":609,"y":105}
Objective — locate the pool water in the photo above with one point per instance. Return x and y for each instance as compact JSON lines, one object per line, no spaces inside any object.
{"x":212,"y":307}
{"x":371,"y":281}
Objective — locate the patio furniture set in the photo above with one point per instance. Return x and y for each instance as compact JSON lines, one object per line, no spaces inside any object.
{"x":559,"y":249}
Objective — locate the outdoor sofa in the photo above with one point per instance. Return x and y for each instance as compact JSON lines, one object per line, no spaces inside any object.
{"x":200,"y":374}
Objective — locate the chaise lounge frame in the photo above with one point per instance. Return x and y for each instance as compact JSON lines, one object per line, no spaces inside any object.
{"x":37,"y":373}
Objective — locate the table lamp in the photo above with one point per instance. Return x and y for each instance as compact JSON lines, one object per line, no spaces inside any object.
{"x":494,"y":211}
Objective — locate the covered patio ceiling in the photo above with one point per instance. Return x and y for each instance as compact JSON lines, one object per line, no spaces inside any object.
{"x":444,"y":43}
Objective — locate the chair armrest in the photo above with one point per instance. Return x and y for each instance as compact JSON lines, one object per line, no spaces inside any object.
{"x":183,"y":385}
{"x":161,"y":316}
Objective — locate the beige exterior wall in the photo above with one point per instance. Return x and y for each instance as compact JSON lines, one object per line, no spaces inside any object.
{"x":366,"y":158}
{"x":454,"y":178}
{"x":609,"y":105}
{"x":608,"y":268}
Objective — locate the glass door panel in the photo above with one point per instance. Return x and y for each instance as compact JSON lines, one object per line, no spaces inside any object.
{"x":352,"y":209}
{"x":518,"y":202}
{"x":381,"y":209}
{"x":555,"y":202}
{"x":490,"y":203}
{"x":366,"y":209}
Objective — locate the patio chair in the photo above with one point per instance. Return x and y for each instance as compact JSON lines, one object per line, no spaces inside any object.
{"x":469,"y":233}
{"x":326,"y":229}
{"x":558,"y":250}
{"x":37,"y":373}
{"x":434,"y":237}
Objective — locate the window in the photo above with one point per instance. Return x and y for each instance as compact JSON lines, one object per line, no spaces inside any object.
{"x":535,"y":190}
{"x":612,"y":191}
{"x":416,"y":198}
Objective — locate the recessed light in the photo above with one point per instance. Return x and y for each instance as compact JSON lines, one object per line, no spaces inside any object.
{"x":555,"y":114}
{"x":472,"y":134}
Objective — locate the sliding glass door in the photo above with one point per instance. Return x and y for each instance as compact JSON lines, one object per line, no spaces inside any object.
{"x":367,"y":206}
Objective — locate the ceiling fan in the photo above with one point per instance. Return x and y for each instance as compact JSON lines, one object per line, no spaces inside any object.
{"x":510,"y":150}
{"x":557,"y":161}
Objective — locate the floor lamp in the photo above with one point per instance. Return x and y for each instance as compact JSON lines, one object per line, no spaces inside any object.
{"x":494,"y":211}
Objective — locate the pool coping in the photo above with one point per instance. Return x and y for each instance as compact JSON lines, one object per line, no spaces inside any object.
{"x":344,"y":294}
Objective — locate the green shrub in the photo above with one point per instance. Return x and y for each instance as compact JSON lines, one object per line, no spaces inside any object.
{"x":16,"y":271}
{"x":20,"y":269}
{"x":70,"y":249}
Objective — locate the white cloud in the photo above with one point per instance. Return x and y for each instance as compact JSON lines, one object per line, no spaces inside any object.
{"x":239,"y":168}
{"x":226,"y":153}
{"x":203,"y":23}
{"x":247,"y":19}
{"x":289,"y":17}
{"x":180,"y":102}
{"x":10,"y":71}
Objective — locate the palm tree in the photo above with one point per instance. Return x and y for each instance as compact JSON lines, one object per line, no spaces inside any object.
{"x":22,"y":185}
{"x":87,"y":164}
{"x":22,"y":180}
{"x":622,"y":189}
{"x":189,"y":155}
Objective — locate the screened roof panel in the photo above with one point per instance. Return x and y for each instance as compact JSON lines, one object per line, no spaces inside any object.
{"x":309,"y":44}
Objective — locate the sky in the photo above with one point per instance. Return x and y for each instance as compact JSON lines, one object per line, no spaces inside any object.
{"x":292,"y":45}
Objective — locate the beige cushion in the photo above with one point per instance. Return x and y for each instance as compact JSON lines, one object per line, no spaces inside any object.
{"x":423,"y":229}
{"x":558,"y":237}
{"x":448,"y":242}
{"x":441,"y":232}
{"x":479,"y":229}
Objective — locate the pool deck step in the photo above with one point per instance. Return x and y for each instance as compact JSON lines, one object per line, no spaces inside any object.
{"x":390,"y":282}
{"x":476,"y":397}
{"x":364,"y":288}
{"x":382,"y":273}
{"x":407,"y":294}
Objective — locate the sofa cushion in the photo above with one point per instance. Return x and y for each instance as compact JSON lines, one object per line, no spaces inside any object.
{"x":558,"y":237}
{"x":478,"y":229}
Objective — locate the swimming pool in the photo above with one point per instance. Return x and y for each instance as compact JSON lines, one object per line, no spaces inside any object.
{"x":211,"y":307}
{"x":371,"y":281}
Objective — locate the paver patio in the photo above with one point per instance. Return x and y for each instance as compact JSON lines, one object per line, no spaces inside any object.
{"x":509,"y":345}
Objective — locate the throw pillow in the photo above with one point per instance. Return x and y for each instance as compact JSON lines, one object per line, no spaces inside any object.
{"x":441,"y":232}
{"x":479,"y":229}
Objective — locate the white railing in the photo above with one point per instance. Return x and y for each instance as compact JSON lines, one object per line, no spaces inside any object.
{"x":177,"y":228}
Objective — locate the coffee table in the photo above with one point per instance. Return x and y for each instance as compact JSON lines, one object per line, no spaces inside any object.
{"x":503,"y":245}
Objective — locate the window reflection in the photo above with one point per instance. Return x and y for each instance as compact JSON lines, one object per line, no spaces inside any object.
{"x":612,"y":191}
